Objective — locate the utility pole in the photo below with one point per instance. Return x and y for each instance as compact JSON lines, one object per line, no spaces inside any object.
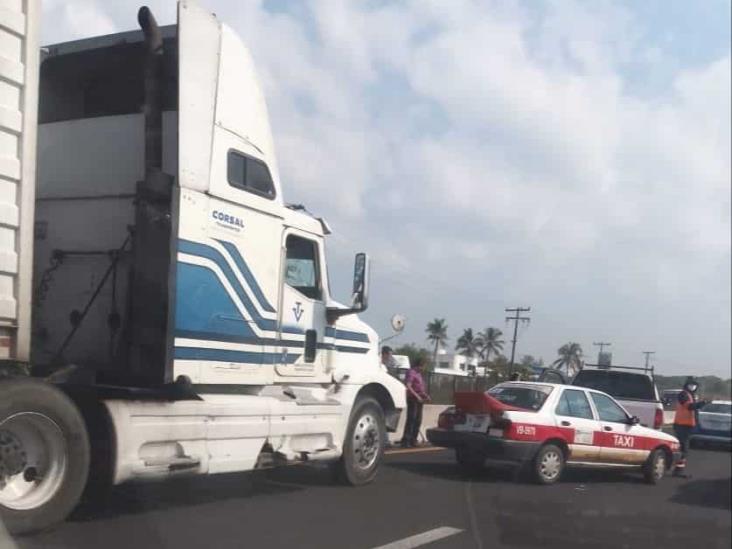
{"x":516,"y":319}
{"x":601,"y":360}
{"x":601,"y":344}
{"x":648,"y":356}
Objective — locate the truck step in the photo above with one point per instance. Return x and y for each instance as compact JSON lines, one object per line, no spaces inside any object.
{"x":180,"y":463}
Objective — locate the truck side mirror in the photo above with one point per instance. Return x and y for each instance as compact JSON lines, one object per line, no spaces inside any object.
{"x":360,"y":299}
{"x":360,"y":296}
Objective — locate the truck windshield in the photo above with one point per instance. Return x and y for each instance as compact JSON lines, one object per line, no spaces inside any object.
{"x":617,"y":384}
{"x":529,"y":397}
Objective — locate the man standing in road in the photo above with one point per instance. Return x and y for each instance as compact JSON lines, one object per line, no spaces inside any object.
{"x":416,"y":397}
{"x":685,"y":420}
{"x":387,"y":361}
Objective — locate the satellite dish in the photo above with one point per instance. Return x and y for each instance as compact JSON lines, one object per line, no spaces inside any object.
{"x":397,"y":323}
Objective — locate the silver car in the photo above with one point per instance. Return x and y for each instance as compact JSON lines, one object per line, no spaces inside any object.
{"x":714,"y":423}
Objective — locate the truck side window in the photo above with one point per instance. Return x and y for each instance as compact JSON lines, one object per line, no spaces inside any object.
{"x":249,"y":174}
{"x":301,"y":268}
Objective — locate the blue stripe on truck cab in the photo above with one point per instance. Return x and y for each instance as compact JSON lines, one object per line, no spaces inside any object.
{"x":204,"y":306}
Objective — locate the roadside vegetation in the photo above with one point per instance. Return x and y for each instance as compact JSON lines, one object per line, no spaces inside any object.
{"x":488,"y":345}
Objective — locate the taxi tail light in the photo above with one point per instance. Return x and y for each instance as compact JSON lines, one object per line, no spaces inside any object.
{"x":450,"y":417}
{"x":658,"y":419}
{"x":501,"y":421}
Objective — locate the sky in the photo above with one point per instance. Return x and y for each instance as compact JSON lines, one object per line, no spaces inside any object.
{"x":568,"y":156}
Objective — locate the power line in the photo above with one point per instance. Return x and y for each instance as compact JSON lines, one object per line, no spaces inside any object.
{"x":516,"y":319}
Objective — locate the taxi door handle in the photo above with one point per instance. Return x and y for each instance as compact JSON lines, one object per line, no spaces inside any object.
{"x":566,"y":423}
{"x":608,"y":428}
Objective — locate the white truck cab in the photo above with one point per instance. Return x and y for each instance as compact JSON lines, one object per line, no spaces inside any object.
{"x":181,"y":317}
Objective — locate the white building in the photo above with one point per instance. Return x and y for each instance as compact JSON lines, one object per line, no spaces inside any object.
{"x":455,"y":364}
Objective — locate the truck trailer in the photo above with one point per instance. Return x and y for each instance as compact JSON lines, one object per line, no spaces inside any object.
{"x":163,"y":310}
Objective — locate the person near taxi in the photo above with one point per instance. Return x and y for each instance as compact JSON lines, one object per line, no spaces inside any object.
{"x":687,"y":404}
{"x":387,"y":359}
{"x":416,"y":397}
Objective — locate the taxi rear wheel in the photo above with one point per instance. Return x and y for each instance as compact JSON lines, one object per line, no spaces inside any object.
{"x":548,"y":464}
{"x":655,"y":466}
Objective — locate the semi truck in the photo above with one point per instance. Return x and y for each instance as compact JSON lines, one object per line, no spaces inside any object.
{"x":163,"y":310}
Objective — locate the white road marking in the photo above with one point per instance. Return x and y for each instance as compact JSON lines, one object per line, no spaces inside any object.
{"x":422,"y":539}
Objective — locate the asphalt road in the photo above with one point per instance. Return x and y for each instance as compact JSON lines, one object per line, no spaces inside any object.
{"x":418,"y":492}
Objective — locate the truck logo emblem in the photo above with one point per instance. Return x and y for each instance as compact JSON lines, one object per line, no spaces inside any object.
{"x":297,"y":309}
{"x":228,"y":220}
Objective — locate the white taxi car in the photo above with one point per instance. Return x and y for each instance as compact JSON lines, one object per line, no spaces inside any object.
{"x":547,"y":427}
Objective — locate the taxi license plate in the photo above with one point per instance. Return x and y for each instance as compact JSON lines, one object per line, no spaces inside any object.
{"x":475,"y":423}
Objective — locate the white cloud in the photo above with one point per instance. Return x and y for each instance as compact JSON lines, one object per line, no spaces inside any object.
{"x":65,"y":20}
{"x":499,"y":145}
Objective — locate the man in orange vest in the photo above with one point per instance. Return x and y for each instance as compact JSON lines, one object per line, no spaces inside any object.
{"x":685,"y":421}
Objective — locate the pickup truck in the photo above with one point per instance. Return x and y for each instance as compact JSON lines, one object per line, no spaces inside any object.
{"x":634,"y":388}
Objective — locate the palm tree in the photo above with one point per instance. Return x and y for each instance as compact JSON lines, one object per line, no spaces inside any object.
{"x":437,"y":333}
{"x":570,"y":357}
{"x":492,"y":343}
{"x":469,"y":344}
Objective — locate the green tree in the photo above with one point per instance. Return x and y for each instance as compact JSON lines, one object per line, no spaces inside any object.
{"x":570,"y":358}
{"x":414,"y":351}
{"x":492,"y":343}
{"x":469,"y":344}
{"x":437,"y":334}
{"x":710,"y":387}
{"x":529,"y":362}
{"x":499,"y":367}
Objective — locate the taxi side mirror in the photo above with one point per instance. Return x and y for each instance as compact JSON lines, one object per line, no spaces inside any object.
{"x":633,"y":420}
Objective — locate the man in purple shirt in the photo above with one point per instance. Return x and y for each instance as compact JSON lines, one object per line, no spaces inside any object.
{"x":416,"y":397}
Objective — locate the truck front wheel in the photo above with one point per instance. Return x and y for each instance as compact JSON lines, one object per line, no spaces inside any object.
{"x":363,"y":447}
{"x":44,"y":455}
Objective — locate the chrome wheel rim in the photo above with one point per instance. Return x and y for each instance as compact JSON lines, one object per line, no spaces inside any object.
{"x":550,"y":465}
{"x":659,"y":467}
{"x":366,"y":441}
{"x":33,"y":460}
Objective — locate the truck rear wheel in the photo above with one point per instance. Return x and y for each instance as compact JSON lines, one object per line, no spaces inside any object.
{"x":44,"y":455}
{"x":363,"y":447}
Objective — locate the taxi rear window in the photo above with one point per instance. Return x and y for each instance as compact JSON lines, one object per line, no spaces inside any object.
{"x":528,"y":397}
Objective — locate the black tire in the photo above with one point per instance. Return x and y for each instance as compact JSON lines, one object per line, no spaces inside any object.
{"x":548,"y":464}
{"x":32,"y":408}
{"x":469,"y":461}
{"x":655,"y":466}
{"x":349,"y":470}
{"x":99,"y":428}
